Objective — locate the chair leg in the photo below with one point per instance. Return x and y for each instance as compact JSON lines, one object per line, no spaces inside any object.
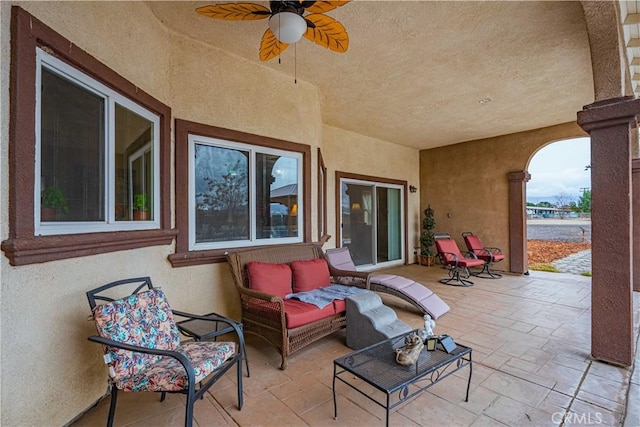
{"x":486,"y":273}
{"x":455,"y":279}
{"x":240,"y":396}
{"x":188,"y":415}
{"x":243,"y":348}
{"x":112,"y":405}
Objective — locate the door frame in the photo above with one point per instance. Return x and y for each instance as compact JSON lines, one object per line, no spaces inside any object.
{"x":339,"y":176}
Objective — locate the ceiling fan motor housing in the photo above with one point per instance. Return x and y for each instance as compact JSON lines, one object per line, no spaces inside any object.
{"x":288,"y":27}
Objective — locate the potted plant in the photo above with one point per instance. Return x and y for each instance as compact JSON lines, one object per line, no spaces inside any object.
{"x":52,"y":201}
{"x":427,"y":256}
{"x":141,"y":207}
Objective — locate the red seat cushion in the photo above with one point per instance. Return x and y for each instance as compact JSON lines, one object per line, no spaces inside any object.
{"x":309,"y":275}
{"x":487,"y":258}
{"x":470,"y":262}
{"x":273,"y":279}
{"x":298,"y":313}
{"x":339,"y":306}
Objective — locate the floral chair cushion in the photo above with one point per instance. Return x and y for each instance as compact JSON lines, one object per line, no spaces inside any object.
{"x":144,"y":319}
{"x":169,"y":375}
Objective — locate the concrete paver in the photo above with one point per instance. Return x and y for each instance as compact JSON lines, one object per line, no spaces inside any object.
{"x":577,"y":263}
{"x":531,"y":366}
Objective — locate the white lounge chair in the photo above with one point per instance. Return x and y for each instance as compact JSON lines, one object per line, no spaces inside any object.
{"x":409,"y":290}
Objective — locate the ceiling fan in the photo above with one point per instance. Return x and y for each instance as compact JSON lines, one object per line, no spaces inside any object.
{"x":287,"y":23}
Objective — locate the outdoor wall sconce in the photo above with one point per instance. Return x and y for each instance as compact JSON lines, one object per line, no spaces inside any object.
{"x":413,"y":188}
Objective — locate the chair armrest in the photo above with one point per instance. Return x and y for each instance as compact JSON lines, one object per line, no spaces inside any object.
{"x":259,"y":295}
{"x":246,"y":295}
{"x":360,"y":276}
{"x":213,"y":317}
{"x":470,"y":254}
{"x":443,"y":258}
{"x":492,"y":250}
{"x":155,"y":351}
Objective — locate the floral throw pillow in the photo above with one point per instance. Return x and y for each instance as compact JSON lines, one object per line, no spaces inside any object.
{"x":144,"y":319}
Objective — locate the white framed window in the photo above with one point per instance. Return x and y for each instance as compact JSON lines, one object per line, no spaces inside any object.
{"x":243,"y":195}
{"x":97,"y":155}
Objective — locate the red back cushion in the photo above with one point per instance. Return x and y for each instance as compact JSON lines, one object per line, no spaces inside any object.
{"x":310,"y":275}
{"x":273,"y":279}
{"x":473,"y":243}
{"x":450,"y":247}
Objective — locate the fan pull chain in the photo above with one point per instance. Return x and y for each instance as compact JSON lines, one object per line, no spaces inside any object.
{"x":295,"y":64}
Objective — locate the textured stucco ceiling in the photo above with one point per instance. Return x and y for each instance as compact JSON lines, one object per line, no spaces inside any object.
{"x":416,"y":71}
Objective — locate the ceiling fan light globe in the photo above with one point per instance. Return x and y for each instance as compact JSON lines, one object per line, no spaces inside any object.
{"x":288,"y":27}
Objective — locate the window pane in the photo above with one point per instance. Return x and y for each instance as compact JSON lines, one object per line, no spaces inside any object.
{"x":221,"y":194}
{"x":276,"y":196}
{"x":72,"y":151}
{"x":389,"y":224}
{"x":357,"y":230}
{"x":134,"y":166}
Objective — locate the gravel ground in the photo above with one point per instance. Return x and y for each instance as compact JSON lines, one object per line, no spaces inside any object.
{"x":559,"y":230}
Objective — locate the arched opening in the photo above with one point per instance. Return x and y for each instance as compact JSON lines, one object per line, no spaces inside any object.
{"x":558,"y":207}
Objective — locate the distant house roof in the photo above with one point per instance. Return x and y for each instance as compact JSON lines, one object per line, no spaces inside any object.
{"x":539,"y":209}
{"x":284,"y":191}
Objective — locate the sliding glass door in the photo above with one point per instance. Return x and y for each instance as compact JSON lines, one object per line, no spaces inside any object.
{"x":372,"y":222}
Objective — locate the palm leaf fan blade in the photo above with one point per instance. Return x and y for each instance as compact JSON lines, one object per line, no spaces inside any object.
{"x":322,"y":6}
{"x":270,"y":46}
{"x":235,"y":11}
{"x":327,"y":33}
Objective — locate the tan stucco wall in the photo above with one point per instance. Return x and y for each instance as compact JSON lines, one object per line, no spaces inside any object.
{"x":350,"y":152}
{"x":50,"y":373}
{"x":467,"y":184}
{"x":54,"y":373}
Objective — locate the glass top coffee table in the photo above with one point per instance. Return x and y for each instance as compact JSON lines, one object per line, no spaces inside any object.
{"x":376,"y":366}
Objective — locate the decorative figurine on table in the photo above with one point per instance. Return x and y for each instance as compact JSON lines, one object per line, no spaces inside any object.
{"x":411,"y":352}
{"x":429,"y":325}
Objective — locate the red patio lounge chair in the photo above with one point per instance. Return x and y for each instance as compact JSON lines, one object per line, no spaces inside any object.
{"x":453,"y":260}
{"x":488,"y":254}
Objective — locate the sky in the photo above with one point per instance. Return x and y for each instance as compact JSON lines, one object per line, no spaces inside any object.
{"x":559,"y":168}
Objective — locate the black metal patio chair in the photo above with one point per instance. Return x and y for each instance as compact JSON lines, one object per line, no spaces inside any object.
{"x":142,"y":347}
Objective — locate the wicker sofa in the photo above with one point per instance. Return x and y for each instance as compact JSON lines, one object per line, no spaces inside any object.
{"x":276,"y":319}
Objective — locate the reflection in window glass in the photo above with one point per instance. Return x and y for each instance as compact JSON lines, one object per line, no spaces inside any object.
{"x":221,"y":194}
{"x":97,"y":155}
{"x":134,"y":166}
{"x":276,"y":196}
{"x":72,"y":150}
{"x":242,"y":195}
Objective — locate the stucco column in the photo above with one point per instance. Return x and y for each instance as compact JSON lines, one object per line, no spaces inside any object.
{"x":610,"y":125}
{"x":635,"y":210}
{"x":518,"y":260}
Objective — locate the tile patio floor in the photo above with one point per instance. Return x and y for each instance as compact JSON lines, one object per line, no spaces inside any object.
{"x":531,"y":343}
